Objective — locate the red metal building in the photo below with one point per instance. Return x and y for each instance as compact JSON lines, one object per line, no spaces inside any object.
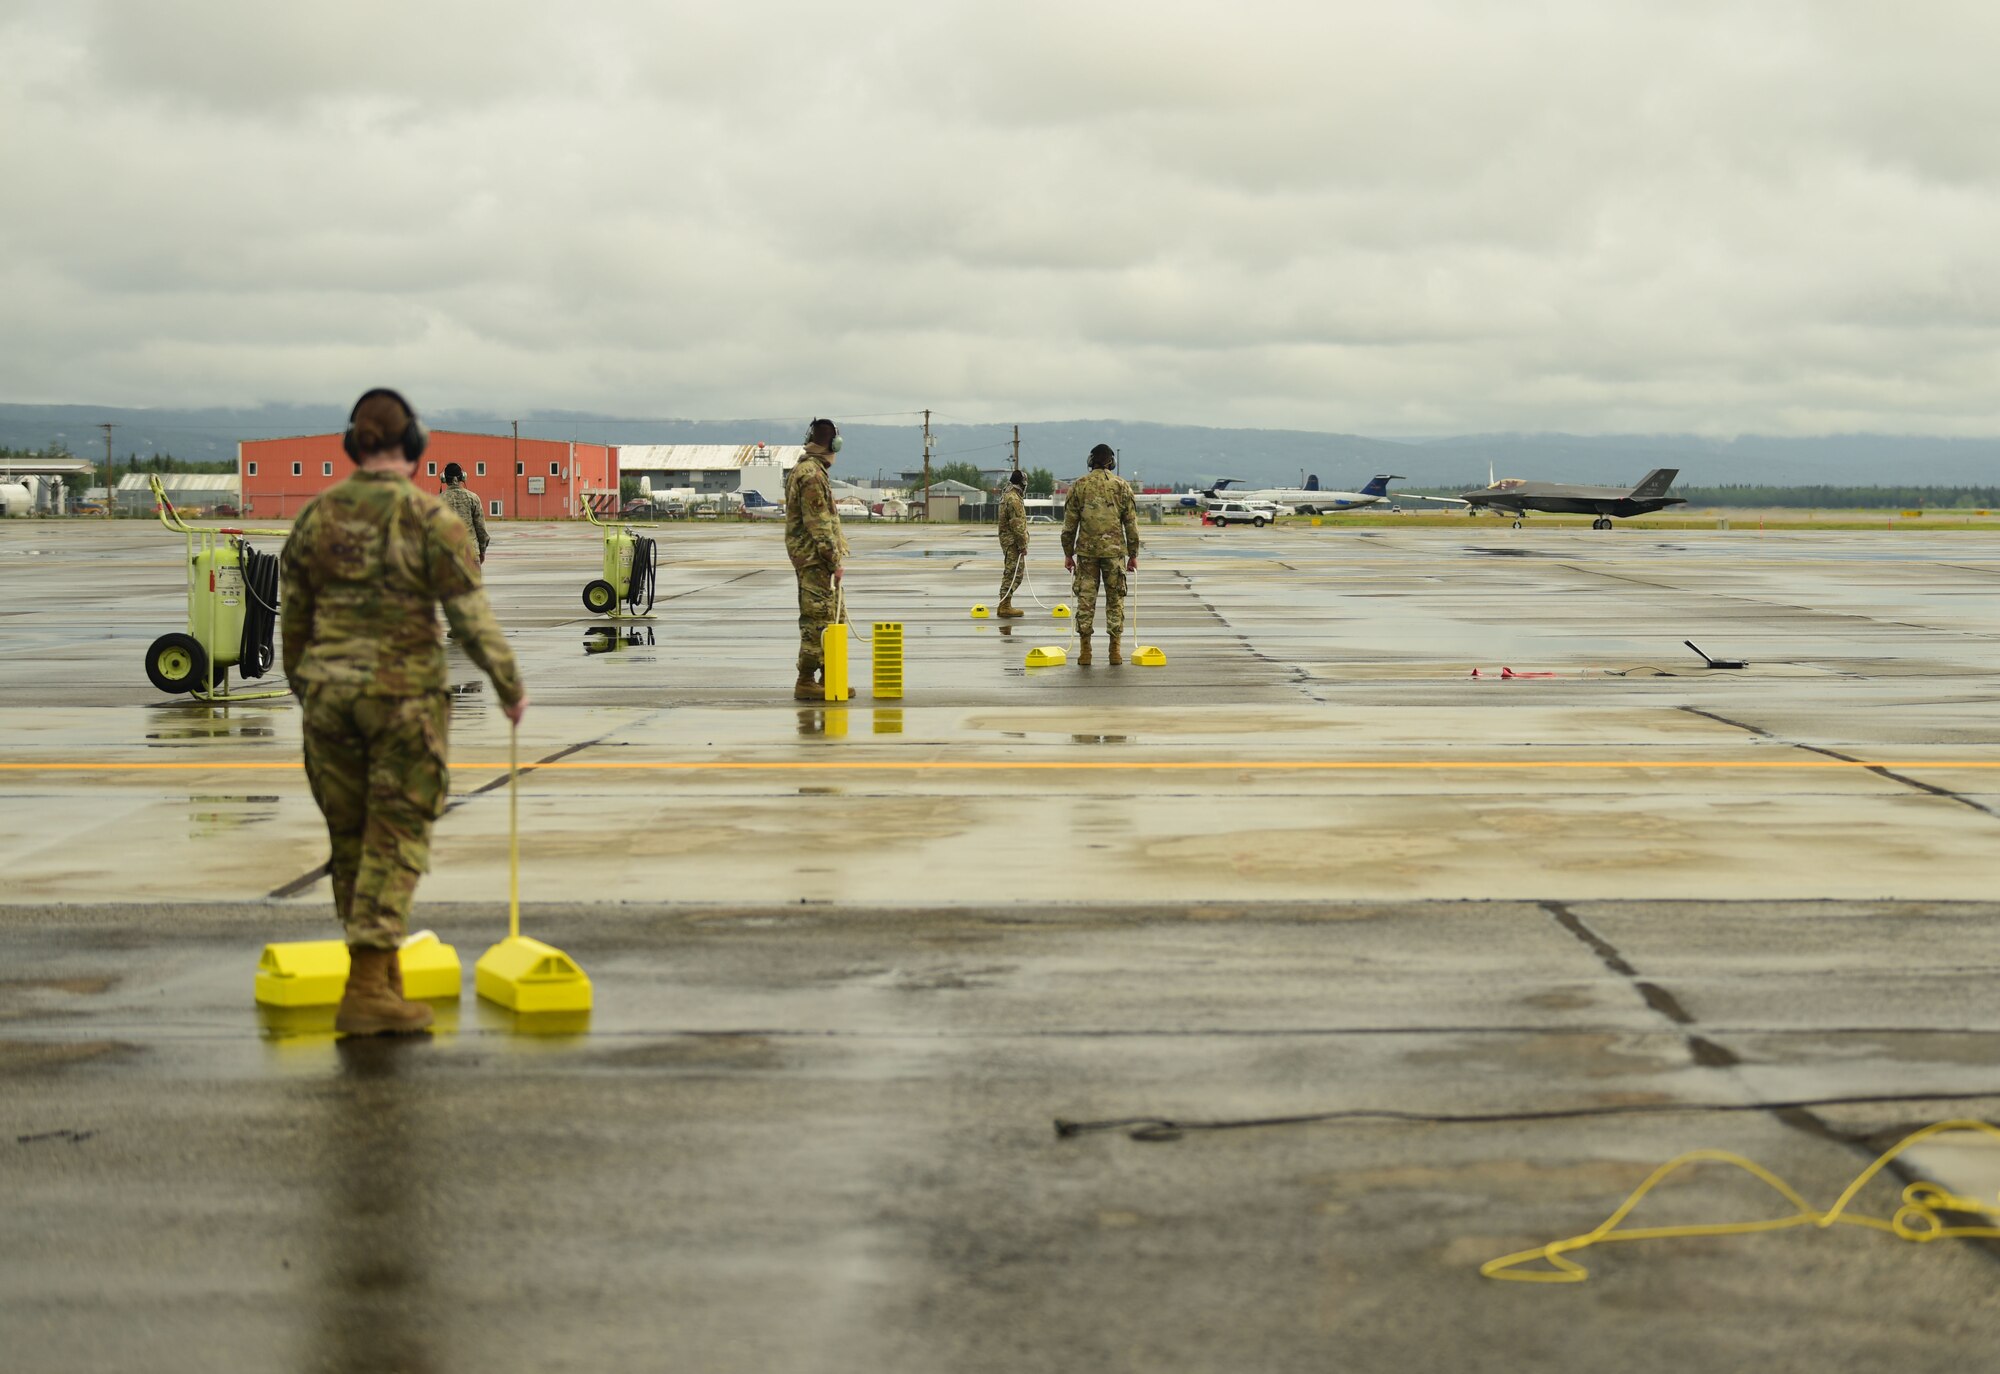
{"x":534,"y":479}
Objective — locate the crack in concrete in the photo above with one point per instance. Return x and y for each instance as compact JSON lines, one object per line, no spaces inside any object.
{"x":1889,"y":774}
{"x":1711,"y":1054}
{"x":308,"y":879}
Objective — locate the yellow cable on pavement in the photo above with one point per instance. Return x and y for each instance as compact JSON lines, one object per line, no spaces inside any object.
{"x":1918,"y":1219}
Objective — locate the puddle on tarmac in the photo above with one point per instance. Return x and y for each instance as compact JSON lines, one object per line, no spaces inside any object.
{"x":889,"y":721}
{"x":216,"y":723}
{"x":211,"y":816}
{"x":1100,"y":739}
{"x":1509,"y":553}
{"x":610,"y":639}
{"x":302,"y":1039}
{"x":830,"y":724}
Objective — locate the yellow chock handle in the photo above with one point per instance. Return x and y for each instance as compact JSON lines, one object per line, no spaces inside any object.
{"x":513,"y":831}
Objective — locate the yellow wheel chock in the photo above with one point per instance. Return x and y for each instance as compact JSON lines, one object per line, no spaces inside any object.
{"x":313,"y":973}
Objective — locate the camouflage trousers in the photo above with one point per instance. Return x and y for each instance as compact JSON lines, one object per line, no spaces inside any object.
{"x":819,"y":603}
{"x":1017,"y":564}
{"x":378,"y":770}
{"x":1088,"y":572}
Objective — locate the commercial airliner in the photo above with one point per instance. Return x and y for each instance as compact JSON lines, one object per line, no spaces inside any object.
{"x":1310,"y":499}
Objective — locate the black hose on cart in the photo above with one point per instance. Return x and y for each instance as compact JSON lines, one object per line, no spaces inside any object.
{"x":645,"y":574}
{"x":260,"y":612}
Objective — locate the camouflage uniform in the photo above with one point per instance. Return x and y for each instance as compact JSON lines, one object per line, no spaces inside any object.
{"x":466,"y":505}
{"x":1100,"y":531}
{"x":364,"y":565}
{"x":817,"y":547}
{"x":1013,"y":540}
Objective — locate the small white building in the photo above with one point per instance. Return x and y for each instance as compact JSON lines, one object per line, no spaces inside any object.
{"x":191,"y":492}
{"x":708,"y":471}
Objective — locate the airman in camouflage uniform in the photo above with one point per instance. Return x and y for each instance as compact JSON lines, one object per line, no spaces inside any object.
{"x":1013,"y":543}
{"x":465,"y":505}
{"x":1100,"y":540}
{"x":365,"y":566}
{"x":818,"y":551}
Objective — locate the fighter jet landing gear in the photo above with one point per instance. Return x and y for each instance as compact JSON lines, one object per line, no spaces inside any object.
{"x":1602,"y":522}
{"x":1517,"y":524}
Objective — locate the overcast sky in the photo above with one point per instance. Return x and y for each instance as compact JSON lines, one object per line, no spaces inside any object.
{"x":1419,"y":217}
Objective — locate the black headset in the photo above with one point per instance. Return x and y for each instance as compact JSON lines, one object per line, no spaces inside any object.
{"x":413,"y":440}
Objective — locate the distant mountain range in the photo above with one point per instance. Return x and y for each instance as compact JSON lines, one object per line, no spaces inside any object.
{"x":1153,"y":453}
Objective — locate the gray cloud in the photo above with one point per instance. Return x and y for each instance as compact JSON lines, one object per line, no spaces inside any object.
{"x":1444,"y":215}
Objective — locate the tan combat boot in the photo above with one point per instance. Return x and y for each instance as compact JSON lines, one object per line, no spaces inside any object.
{"x":1115,"y":656}
{"x":370,"y":1005}
{"x":1083,"y":652}
{"x":807,"y":689}
{"x":1007,"y":611}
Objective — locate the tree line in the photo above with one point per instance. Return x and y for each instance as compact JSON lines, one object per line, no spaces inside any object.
{"x":132,"y":462}
{"x":1844,"y":498}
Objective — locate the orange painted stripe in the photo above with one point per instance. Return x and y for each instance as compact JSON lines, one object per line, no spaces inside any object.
{"x":1042,"y":765}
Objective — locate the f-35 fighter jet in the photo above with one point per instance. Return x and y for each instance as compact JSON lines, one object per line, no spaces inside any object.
{"x":1516,"y":497}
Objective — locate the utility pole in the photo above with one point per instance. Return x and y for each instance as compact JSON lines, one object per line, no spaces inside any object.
{"x":927,"y":467}
{"x":110,"y":471}
{"x":1017,"y":448}
{"x":516,"y":511}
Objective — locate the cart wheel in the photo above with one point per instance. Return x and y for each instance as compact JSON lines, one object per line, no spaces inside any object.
{"x":599,"y":596}
{"x":176,"y":663}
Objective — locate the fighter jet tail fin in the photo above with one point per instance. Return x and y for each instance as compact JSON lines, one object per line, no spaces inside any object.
{"x":1655,"y":483}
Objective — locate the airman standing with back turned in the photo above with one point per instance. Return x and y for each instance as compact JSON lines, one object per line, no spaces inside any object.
{"x":366,"y":565}
{"x":1013,"y":542}
{"x":818,"y":551}
{"x":465,"y":505}
{"x":1100,"y":541}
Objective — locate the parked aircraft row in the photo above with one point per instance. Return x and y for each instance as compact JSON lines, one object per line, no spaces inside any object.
{"x":1513,"y":496}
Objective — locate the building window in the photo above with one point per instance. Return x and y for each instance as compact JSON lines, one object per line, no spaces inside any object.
{"x":493,"y":508}
{"x":253,"y":469}
{"x":480,"y":468}
{"x":520,"y":468}
{"x":555,"y":469}
{"x":433,"y":469}
{"x":326,"y":469}
{"x":298,"y":469}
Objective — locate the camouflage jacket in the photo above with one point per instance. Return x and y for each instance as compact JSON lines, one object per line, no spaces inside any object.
{"x":812,"y":526}
{"x":366,"y":564}
{"x":1101,"y":520}
{"x":466,"y":506}
{"x":1013,"y":518}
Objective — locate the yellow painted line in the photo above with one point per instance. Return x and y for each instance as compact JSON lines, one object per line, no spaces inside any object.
{"x":1044,"y":765}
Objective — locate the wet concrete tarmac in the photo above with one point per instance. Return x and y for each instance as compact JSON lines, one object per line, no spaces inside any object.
{"x":853,"y":964}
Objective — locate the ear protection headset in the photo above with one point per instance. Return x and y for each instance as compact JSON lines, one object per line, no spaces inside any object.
{"x":413,"y":440}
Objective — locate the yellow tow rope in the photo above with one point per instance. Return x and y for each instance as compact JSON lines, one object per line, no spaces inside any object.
{"x":1917,"y":1220}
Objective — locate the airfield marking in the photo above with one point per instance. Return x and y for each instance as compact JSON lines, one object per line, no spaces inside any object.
{"x":1049,"y":765}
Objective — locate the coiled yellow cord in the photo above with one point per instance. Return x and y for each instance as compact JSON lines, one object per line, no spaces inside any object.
{"x":1918,"y":1219}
